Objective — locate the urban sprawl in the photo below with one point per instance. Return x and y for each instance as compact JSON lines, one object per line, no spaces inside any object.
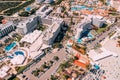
{"x":59,"y":39}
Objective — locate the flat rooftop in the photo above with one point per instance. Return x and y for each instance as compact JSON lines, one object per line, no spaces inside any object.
{"x":9,"y":23}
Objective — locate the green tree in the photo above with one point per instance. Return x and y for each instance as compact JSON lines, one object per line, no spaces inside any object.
{"x":24,"y":14}
{"x":1,"y":18}
{"x":56,"y":58}
{"x":53,"y":77}
{"x":32,"y":11}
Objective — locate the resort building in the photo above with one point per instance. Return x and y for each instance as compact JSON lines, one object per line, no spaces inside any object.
{"x":115,"y":3}
{"x":52,"y":32}
{"x":39,"y":1}
{"x":3,"y":71}
{"x":83,"y":30}
{"x":28,"y":25}
{"x":31,"y":37}
{"x":46,"y":21}
{"x":98,"y":22}
{"x":6,"y":28}
{"x":42,"y":9}
{"x":49,"y":1}
{"x":48,"y":11}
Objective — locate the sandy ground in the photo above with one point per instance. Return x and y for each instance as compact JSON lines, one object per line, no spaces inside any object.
{"x":111,"y":64}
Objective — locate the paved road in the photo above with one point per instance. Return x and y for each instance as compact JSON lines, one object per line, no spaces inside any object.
{"x":102,"y":36}
{"x":61,"y":54}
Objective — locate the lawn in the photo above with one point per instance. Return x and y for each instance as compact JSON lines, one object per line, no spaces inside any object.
{"x":20,"y":69}
{"x":7,"y":5}
{"x":16,"y":78}
{"x":102,"y":29}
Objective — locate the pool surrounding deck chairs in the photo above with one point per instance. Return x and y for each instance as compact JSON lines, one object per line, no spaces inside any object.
{"x":10,"y":46}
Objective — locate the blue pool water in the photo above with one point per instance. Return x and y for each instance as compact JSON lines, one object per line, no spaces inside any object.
{"x":90,"y":36}
{"x":19,"y":53}
{"x":11,"y":57}
{"x":15,"y":54}
{"x":96,"y":67}
{"x":28,"y":9}
{"x":79,"y":7}
{"x":79,"y":40}
{"x":10,"y":46}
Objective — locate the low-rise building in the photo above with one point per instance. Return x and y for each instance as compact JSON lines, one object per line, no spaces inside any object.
{"x":82,"y":61}
{"x":6,"y":28}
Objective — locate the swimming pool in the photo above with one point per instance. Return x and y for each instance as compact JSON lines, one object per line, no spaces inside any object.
{"x":79,"y":7}
{"x":10,"y":46}
{"x":19,"y":53}
{"x":28,"y":9}
{"x":79,"y":41}
{"x":90,"y":36}
{"x":15,"y":54}
{"x":10,"y":57}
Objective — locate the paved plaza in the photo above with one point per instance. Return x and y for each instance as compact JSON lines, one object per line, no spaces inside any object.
{"x":61,"y":54}
{"x":111,"y":64}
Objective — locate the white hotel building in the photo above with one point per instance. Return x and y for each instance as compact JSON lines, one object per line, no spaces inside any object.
{"x":6,"y":28}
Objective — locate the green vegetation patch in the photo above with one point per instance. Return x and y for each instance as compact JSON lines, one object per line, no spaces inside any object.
{"x":102,"y":29}
{"x":6,"y":5}
{"x":17,"y":8}
{"x":16,"y":78}
{"x":20,"y":69}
